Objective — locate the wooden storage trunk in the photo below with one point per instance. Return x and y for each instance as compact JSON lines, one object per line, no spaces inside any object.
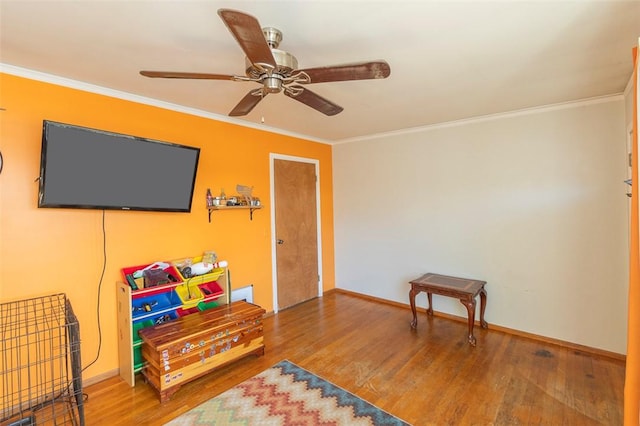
{"x":189,"y":347}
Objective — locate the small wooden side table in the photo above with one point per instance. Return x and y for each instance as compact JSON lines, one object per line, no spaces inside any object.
{"x":461,"y":288}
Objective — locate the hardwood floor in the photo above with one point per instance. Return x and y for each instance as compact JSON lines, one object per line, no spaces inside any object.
{"x":428,"y":376}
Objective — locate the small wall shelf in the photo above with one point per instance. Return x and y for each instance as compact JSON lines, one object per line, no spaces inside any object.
{"x":250,"y":208}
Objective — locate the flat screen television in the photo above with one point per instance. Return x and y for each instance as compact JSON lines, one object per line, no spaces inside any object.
{"x":95,"y":169}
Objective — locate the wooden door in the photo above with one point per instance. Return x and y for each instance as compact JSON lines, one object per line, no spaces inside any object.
{"x":296,"y":231}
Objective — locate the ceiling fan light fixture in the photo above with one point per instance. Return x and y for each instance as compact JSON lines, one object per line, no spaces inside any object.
{"x":273,"y":83}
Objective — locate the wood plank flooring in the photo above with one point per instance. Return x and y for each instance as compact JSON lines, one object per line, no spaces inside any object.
{"x":428,"y":376}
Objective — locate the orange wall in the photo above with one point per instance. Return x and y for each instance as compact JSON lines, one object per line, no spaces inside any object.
{"x":632,"y":374}
{"x":44,"y":251}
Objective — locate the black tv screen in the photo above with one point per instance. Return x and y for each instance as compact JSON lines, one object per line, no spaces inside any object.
{"x":94,"y":169}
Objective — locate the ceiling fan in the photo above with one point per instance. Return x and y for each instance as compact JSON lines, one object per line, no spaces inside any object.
{"x":276,"y":70}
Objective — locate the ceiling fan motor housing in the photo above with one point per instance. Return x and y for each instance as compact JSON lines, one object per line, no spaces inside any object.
{"x":273,"y":79}
{"x":285,"y":62}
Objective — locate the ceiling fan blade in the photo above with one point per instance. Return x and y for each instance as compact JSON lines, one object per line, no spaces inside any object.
{"x":313,"y":100}
{"x":194,"y":75}
{"x":248,"y":33}
{"x":355,"y":71}
{"x":246,"y":104}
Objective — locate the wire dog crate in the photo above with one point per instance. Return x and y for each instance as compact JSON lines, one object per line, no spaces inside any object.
{"x":40,"y":370}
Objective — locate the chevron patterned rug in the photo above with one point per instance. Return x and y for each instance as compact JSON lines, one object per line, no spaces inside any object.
{"x":286,"y":394}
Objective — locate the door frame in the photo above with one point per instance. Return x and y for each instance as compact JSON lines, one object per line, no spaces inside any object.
{"x":630,"y":161}
{"x":274,"y":267}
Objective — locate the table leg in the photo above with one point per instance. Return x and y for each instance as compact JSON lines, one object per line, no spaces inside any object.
{"x":412,"y":301}
{"x":430,"y":308}
{"x":483,"y":304}
{"x":471,"y":311}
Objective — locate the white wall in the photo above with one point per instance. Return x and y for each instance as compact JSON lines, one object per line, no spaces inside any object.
{"x":533,"y":203}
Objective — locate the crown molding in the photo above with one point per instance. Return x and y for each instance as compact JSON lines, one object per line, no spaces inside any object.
{"x":87,"y":87}
{"x":100,"y":90}
{"x":491,"y":117}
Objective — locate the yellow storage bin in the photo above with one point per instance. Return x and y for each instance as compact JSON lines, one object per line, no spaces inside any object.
{"x":198,"y":279}
{"x":190,"y":295}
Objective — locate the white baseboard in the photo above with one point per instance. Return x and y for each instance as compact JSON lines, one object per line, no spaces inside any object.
{"x":243,"y":293}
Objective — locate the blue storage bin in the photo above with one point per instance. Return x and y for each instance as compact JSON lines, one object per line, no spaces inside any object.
{"x":165,"y":317}
{"x":154,"y":304}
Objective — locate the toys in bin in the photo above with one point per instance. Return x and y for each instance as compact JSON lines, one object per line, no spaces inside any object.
{"x":151,"y":303}
{"x":145,"y":307}
{"x":196,"y":269}
{"x":199,"y":266}
{"x":162,"y":319}
{"x":158,"y":273}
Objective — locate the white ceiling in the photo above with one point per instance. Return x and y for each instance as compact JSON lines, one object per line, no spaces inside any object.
{"x":450,"y":60}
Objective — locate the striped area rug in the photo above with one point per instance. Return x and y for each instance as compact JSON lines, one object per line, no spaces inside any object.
{"x":286,"y":394}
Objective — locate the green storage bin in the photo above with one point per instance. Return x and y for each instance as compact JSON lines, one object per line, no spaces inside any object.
{"x":137,"y":326}
{"x":203,"y":306}
{"x":138,"y":360}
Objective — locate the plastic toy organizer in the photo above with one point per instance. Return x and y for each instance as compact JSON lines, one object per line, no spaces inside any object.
{"x":152,"y":306}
